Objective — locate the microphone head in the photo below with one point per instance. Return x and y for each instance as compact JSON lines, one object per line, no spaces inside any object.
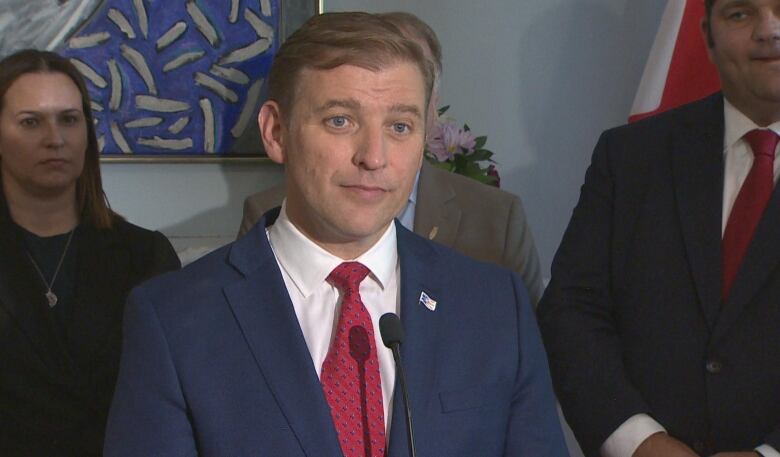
{"x":391,"y":330}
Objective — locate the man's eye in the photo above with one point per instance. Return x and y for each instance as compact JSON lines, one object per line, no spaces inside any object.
{"x":29,"y":122}
{"x":337,"y":122}
{"x":736,"y":15}
{"x":400,"y":127}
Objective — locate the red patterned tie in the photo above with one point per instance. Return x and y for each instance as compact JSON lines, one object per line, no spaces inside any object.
{"x":350,"y":373}
{"x":749,"y":205}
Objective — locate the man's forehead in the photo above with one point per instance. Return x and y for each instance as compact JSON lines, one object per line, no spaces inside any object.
{"x":343,"y":85}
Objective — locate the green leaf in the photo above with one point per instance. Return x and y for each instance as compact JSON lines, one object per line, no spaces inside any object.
{"x":480,"y":141}
{"x":443,"y":109}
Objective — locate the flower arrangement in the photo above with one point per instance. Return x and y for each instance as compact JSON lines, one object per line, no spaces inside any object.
{"x":458,"y":150}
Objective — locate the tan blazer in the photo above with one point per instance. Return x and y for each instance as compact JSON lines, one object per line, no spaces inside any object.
{"x":477,"y":220}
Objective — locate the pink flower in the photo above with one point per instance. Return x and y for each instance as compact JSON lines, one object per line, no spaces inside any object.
{"x":447,"y":139}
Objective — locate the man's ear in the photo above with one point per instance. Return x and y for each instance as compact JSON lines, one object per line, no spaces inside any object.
{"x":269,"y":121}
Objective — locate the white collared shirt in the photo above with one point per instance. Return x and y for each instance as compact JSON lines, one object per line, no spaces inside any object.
{"x":305,"y":267}
{"x":737,"y":159}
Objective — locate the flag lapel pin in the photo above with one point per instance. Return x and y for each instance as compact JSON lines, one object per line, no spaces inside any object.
{"x":427,"y":301}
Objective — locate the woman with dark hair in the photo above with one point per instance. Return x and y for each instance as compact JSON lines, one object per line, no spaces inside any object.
{"x":67,"y":263}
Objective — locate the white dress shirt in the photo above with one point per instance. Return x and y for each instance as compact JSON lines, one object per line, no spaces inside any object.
{"x":305,"y":267}
{"x":737,"y":159}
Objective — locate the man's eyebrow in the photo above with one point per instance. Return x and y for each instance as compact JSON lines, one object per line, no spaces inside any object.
{"x":348,"y":103}
{"x":404,"y":108}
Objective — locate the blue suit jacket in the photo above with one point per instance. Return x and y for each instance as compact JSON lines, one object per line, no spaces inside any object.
{"x":214,"y":362}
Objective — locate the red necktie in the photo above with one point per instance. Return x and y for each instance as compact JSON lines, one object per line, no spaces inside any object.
{"x":749,"y":205}
{"x":350,"y":373}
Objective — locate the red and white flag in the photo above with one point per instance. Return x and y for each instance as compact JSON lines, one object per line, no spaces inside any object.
{"x":678,"y":70}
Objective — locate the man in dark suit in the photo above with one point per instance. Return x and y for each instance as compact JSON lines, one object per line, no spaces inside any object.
{"x":271,"y":346}
{"x":480,"y":221}
{"x":661,"y":316}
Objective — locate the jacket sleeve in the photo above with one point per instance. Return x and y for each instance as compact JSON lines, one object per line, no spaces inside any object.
{"x":534,"y":427}
{"x":577,"y":318}
{"x":148,"y":414}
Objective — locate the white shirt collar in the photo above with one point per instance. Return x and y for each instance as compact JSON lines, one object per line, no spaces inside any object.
{"x":736,"y":125}
{"x":308,"y":265}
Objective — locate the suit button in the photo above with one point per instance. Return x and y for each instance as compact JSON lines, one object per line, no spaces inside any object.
{"x":714,"y":367}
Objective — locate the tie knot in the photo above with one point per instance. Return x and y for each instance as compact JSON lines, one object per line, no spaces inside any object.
{"x":763,"y":142}
{"x":348,"y":276}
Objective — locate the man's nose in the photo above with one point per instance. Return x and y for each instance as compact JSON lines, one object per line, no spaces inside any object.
{"x":371,"y":152}
{"x":767,"y":26}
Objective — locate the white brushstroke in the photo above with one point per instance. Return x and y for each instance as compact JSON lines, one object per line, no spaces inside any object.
{"x":265,"y":7}
{"x":119,"y":139}
{"x":97,"y":107}
{"x":202,"y":23}
{"x":116,"y":85}
{"x":208,"y":125}
{"x":143,"y":18}
{"x":249,"y":110}
{"x":121,"y":21}
{"x":179,"y":125}
{"x":89,"y":73}
{"x":143,"y":122}
{"x":262,"y":29}
{"x":217,"y":87}
{"x":138,"y":62}
{"x":245,"y":53}
{"x":183,"y":59}
{"x":231,"y":74}
{"x":101,"y":142}
{"x":171,"y":35}
{"x":160,"y":105}
{"x":233,"y":17}
{"x":166,"y":143}
{"x":88,"y":41}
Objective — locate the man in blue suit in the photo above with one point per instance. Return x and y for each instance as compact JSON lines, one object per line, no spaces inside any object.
{"x":270,"y":346}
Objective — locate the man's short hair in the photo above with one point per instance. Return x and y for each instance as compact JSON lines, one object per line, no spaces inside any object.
{"x":414,"y":27}
{"x":329,"y":40}
{"x":708,"y":8}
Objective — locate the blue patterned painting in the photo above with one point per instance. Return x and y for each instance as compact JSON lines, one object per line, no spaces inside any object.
{"x":166,"y":77}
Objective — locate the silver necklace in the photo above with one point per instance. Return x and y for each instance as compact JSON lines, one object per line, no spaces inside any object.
{"x":51,"y":297}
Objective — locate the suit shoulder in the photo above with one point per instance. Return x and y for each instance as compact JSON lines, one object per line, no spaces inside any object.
{"x":655,"y":126}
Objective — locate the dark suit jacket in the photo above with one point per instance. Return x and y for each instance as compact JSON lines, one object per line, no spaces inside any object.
{"x":54,"y":397}
{"x":214,"y":362}
{"x":480,"y":221}
{"x":633,"y":320}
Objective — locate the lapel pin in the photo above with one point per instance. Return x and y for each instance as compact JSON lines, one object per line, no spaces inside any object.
{"x":432,"y":235}
{"x":427,"y":301}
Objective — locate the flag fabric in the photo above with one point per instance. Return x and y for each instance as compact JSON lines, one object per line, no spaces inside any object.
{"x":678,"y":70}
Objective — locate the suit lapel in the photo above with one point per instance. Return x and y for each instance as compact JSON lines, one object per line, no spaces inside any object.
{"x":434,"y":215}
{"x":761,"y":259}
{"x":419,"y":351}
{"x":697,"y":164}
{"x":265,"y":314}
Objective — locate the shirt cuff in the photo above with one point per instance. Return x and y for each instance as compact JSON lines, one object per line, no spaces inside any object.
{"x":624,"y":441}
{"x":767,"y":451}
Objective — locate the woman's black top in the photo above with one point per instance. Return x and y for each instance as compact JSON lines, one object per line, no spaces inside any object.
{"x":58,"y":365}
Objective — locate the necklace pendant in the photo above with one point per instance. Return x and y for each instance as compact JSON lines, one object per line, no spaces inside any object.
{"x":51,"y":298}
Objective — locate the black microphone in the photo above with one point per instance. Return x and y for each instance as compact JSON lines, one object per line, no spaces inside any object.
{"x":392,"y":336}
